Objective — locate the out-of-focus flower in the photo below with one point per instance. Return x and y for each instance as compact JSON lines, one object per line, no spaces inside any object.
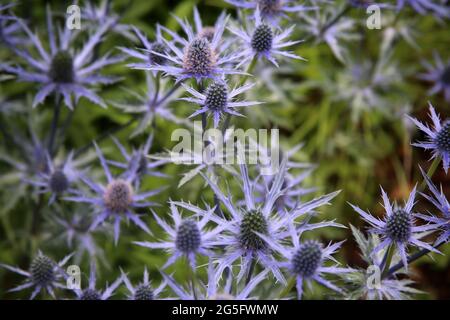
{"x":188,"y":237}
{"x":144,"y":290}
{"x":440,"y":201}
{"x":360,"y":284}
{"x":272,"y":10}
{"x":260,"y":41}
{"x":9,"y":27}
{"x":92,"y":293}
{"x":425,"y":6}
{"x":63,"y":71}
{"x":212,"y":291}
{"x":217,"y":100}
{"x":44,"y":274}
{"x":439,"y":74}
{"x":438,"y":140}
{"x":137,"y":164}
{"x":57,"y":179}
{"x":199,"y":59}
{"x":116,"y":200}
{"x":398,"y":227}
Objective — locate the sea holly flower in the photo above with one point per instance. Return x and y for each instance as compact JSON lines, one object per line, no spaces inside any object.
{"x":271,"y":10}
{"x":138,"y":164}
{"x":188,"y":237}
{"x":117,"y":200}
{"x":57,"y":179}
{"x":253,"y":226}
{"x":425,"y":6}
{"x":398,"y":227}
{"x":439,"y":74}
{"x":199,"y":59}
{"x":62,"y":71}
{"x":438,"y":139}
{"x":9,"y":27}
{"x":92,"y":293}
{"x":217,"y":100}
{"x":360,"y":283}
{"x":212,"y":291}
{"x":144,"y":290}
{"x":43,"y":274}
{"x":440,"y":201}
{"x":261,"y":41}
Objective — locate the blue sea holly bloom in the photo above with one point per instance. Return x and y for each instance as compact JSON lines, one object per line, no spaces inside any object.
{"x":43,"y":274}
{"x":438,"y":139}
{"x":253,"y":226}
{"x":143,"y":290}
{"x":188,"y":237}
{"x":398,"y":227}
{"x":63,"y":71}
{"x":440,"y":201}
{"x":439,"y":75}
{"x":57,"y":179}
{"x":199,"y":58}
{"x":116,"y":200}
{"x":261,"y":41}
{"x":218,"y":99}
{"x":271,"y":10}
{"x":9,"y":28}
{"x":92,"y":293}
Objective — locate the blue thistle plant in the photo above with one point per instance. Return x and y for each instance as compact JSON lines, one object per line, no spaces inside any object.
{"x":116,"y":200}
{"x":144,"y":290}
{"x":398,"y":227}
{"x":261,"y":41}
{"x":217,"y":100}
{"x":62,"y":71}
{"x":43,"y":274}
{"x":438,"y":139}
{"x":425,"y":6}
{"x":439,"y":75}
{"x":9,"y":28}
{"x":92,"y":293}
{"x":188,"y":237}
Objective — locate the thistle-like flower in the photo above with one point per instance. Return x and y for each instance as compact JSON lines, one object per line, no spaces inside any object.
{"x":199,"y":59}
{"x":398,"y":227}
{"x":188,"y":237}
{"x":425,"y":6}
{"x":212,"y":290}
{"x":138,"y":164}
{"x":271,"y":10}
{"x":57,"y":179}
{"x":438,"y":139}
{"x":217,"y":100}
{"x":116,"y":200}
{"x":9,"y":27}
{"x":261,"y":41}
{"x":440,"y":201}
{"x":255,"y":229}
{"x":144,"y":290}
{"x":439,"y":74}
{"x":92,"y":293}
{"x":43,"y":274}
{"x":62,"y":71}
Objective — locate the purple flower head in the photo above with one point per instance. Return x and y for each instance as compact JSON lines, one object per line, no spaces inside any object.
{"x":271,"y":10}
{"x":425,"y":6}
{"x":255,"y":229}
{"x":439,"y":74}
{"x":137,"y":164}
{"x":43,"y":274}
{"x":143,"y":290}
{"x":261,"y":41}
{"x":57,"y":179}
{"x":398,"y":227}
{"x":188,"y":237}
{"x":64,"y":71}
{"x":92,"y":293}
{"x":440,"y":201}
{"x":116,"y":200}
{"x":199,"y":58}
{"x":438,"y":139}
{"x":217,"y":100}
{"x":212,"y":291}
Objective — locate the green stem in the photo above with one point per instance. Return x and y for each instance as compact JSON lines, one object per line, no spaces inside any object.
{"x":288,"y":288}
{"x":430,"y":172}
{"x":387,"y":261}
{"x":54,"y":125}
{"x":192,"y":279}
{"x":250,"y":271}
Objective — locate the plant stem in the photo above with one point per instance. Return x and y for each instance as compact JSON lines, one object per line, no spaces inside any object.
{"x":250,"y":271}
{"x":54,"y":125}
{"x":387,"y":260}
{"x":430,"y":172}
{"x":288,"y":288}
{"x":191,"y":277}
{"x":332,"y":21}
